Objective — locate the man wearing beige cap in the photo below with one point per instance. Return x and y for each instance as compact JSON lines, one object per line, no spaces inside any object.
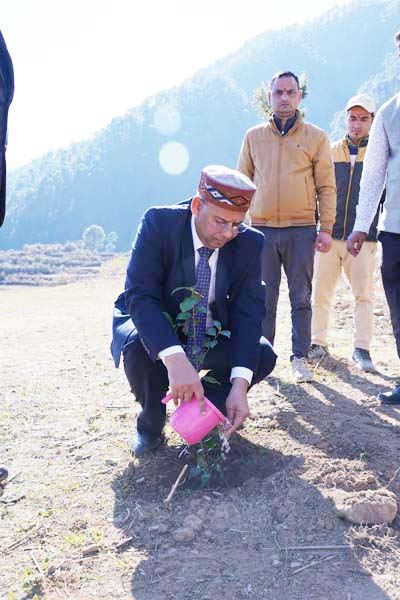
{"x":348,"y":155}
{"x":204,"y":244}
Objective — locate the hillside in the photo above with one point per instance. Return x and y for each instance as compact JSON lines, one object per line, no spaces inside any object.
{"x":113,"y":177}
{"x":381,"y":86}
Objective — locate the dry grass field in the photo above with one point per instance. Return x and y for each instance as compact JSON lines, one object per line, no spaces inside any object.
{"x":81,"y":519}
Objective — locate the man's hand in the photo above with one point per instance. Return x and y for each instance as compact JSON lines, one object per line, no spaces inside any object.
{"x":237,"y":408}
{"x":323,"y":241}
{"x":355,"y":242}
{"x":183,"y":379}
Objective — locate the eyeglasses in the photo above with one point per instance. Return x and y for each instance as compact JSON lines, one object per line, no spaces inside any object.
{"x":236,"y":227}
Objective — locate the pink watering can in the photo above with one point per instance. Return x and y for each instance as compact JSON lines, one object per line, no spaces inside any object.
{"x":188,"y":421}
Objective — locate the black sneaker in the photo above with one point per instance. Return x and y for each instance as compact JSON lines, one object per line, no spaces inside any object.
{"x":363,"y":360}
{"x":317,"y":352}
{"x":392,"y":398}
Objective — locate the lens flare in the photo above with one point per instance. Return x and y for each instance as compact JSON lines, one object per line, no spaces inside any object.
{"x":167,"y":119}
{"x":174,"y":158}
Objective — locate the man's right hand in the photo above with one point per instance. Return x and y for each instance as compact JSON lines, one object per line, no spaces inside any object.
{"x":355,"y":242}
{"x":183,"y":379}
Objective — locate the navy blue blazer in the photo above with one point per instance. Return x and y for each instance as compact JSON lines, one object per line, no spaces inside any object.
{"x":163,"y":259}
{"x":6,"y":96}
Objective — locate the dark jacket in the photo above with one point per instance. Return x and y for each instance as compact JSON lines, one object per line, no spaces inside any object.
{"x":348,"y":189}
{"x":6,"y":96}
{"x":163,"y":259}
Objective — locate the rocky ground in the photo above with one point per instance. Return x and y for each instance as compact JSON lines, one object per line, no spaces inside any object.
{"x":81,"y":519}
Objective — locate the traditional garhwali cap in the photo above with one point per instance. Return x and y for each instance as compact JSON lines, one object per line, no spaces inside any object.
{"x":364,"y":100}
{"x":226,"y":188}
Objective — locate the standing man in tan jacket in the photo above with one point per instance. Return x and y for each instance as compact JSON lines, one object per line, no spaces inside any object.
{"x":290,"y":162}
{"x":348,"y":156}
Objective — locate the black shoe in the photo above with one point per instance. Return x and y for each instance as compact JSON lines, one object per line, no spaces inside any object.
{"x":316,"y":352}
{"x":391,"y":398}
{"x":142,"y":443}
{"x":363,"y":360}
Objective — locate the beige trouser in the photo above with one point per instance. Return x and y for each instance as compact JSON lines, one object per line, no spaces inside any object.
{"x":360,"y":274}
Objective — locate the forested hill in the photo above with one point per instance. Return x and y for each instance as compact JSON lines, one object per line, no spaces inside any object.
{"x":113,"y":177}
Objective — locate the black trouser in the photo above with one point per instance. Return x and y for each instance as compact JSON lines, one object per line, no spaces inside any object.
{"x":292,"y":248}
{"x":390,"y":270}
{"x":149,"y":380}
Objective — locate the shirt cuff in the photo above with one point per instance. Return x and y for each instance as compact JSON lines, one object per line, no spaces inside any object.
{"x":361,"y":225}
{"x":242,"y":372}
{"x":170,"y":350}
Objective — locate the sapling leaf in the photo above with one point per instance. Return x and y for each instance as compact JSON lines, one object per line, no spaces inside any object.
{"x":212,"y":331}
{"x":188,"y":303}
{"x":196,"y":349}
{"x":201,"y":309}
{"x":218,"y":325}
{"x":210,"y":344}
{"x":225,"y":333}
{"x":183,"y":316}
{"x":210,"y":379}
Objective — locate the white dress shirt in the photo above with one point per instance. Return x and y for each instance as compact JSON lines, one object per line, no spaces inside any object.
{"x":242,"y":372}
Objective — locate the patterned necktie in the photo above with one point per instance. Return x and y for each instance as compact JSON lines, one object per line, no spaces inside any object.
{"x":198,"y":324}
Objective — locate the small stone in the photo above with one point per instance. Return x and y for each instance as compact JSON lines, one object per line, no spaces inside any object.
{"x":276,"y":562}
{"x":163,"y":528}
{"x":89,"y":550}
{"x":79,"y":524}
{"x":223,"y":516}
{"x":111,"y":463}
{"x":184,"y":535}
{"x":251,"y":484}
{"x":160,"y":570}
{"x":295,"y":564}
{"x":193,"y":522}
{"x":370,"y":507}
{"x":169,"y":553}
{"x":208,"y":534}
{"x":145,"y":515}
{"x":140,"y":480}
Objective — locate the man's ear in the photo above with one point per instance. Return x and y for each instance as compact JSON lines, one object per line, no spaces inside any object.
{"x":301,"y":93}
{"x":195,"y":205}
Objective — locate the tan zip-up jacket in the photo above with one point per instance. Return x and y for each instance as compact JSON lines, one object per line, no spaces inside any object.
{"x":294,"y":175}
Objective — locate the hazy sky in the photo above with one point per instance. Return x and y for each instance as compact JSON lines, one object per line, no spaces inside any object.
{"x":79,"y":63}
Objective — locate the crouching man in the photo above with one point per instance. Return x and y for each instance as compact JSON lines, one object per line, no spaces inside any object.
{"x":205,"y":244}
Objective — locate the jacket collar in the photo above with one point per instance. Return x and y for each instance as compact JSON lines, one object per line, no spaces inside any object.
{"x":288,"y":124}
{"x":294,"y":126}
{"x":363,"y":142}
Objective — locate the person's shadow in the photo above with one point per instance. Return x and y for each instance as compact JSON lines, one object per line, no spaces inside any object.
{"x":232,"y":540}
